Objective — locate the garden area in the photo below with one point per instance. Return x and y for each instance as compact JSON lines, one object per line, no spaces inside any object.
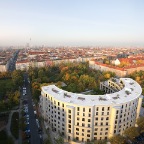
{"x":77,"y":77}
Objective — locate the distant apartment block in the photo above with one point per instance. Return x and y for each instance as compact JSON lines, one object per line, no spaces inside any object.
{"x":6,"y":59}
{"x":128,"y":66}
{"x":92,"y":117}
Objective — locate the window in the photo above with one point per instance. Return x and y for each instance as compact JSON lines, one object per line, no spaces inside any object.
{"x":82,"y":130}
{"x":97,"y":108}
{"x":96,"y":113}
{"x":69,"y":126}
{"x":77,"y":133}
{"x":78,"y":118}
{"x":96,"y":129}
{"x":107,"y":118}
{"x":88,"y":135}
{"x":102,"y":108}
{"x":58,"y":103}
{"x":88,"y":131}
{"x":89,"y":120}
{"x":77,"y":129}
{"x":95,"y":138}
{"x":69,"y":111}
{"x":83,"y":119}
{"x":78,"y":108}
{"x":77,"y":138}
{"x":96,"y":118}
{"x":108,"y":108}
{"x":83,"y":124}
{"x":62,"y":105}
{"x":69,"y":121}
{"x":89,"y":109}
{"x":102,"y":113}
{"x":102,"y":118}
{"x":83,"y":109}
{"x":117,"y":112}
{"x":89,"y":115}
{"x":69,"y":130}
{"x":69,"y":116}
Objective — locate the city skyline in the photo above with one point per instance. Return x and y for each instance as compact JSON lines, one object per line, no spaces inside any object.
{"x":75,"y":23}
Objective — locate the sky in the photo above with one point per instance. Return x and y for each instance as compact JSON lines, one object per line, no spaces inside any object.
{"x":72,"y":22}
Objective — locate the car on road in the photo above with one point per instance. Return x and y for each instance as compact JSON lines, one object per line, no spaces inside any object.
{"x":27,"y":116}
{"x":39,"y":130}
{"x":26,"y":122}
{"x":27,"y":129}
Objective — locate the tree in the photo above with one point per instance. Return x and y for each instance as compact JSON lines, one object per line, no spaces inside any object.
{"x":131,"y":132}
{"x":140,"y":122}
{"x":17,"y":78}
{"x":59,"y":140}
{"x":47,"y":141}
{"x":117,"y":139}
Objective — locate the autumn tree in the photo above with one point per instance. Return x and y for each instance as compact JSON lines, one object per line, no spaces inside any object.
{"x":17,"y":78}
{"x":140,"y":122}
{"x":131,"y":132}
{"x":117,"y":139}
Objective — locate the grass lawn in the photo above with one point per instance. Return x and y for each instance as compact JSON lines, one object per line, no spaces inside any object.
{"x":15,"y":125}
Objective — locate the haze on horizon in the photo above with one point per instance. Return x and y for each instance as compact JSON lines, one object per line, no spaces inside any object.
{"x":77,"y":22}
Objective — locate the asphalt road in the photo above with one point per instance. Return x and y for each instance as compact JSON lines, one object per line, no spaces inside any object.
{"x":35,"y":137}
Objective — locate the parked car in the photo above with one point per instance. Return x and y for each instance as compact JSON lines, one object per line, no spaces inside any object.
{"x":27,"y":116}
{"x":26,"y":122}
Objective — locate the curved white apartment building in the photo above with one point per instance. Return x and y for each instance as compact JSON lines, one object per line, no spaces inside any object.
{"x":91,"y":117}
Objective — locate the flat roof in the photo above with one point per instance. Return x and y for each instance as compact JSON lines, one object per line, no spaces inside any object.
{"x":131,"y":91}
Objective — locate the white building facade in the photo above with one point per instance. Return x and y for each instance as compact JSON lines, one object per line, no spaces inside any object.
{"x":92,"y":117}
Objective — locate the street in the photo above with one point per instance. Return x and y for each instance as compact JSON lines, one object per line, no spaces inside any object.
{"x":35,"y":137}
